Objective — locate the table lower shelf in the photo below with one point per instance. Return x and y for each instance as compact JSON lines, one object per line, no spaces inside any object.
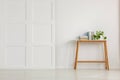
{"x":91,"y":61}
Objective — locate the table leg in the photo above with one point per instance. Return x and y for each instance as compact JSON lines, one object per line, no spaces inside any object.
{"x":106,"y":56}
{"x":76,"y":57}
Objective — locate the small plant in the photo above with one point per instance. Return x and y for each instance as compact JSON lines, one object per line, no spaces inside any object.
{"x":99,"y":35}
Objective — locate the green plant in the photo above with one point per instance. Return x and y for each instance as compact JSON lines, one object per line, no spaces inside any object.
{"x":99,"y":35}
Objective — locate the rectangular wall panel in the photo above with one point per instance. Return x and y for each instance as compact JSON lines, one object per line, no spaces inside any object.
{"x":15,"y":10}
{"x":1,"y":11}
{"x":41,"y":11}
{"x":41,"y":34}
{"x":2,"y":55}
{"x":41,"y":56}
{"x":15,"y":34}
{"x":15,"y":56}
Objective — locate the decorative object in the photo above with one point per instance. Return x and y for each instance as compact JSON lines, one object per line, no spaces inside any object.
{"x":83,"y":37}
{"x":99,"y":36}
{"x":90,"y":35}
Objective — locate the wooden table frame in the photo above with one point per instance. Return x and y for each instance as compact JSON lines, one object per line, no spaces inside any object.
{"x":105,"y":53}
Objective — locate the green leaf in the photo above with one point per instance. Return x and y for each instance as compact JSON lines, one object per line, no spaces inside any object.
{"x":105,"y":37}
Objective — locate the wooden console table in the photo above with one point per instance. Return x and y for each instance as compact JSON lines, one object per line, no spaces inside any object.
{"x":105,"y":53}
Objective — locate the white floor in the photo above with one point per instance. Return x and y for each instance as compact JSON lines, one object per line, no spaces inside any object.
{"x":59,"y":75}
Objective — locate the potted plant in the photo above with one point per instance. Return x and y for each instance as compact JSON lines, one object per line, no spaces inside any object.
{"x":99,"y":35}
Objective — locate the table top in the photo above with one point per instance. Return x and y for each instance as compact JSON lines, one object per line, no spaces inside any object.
{"x":91,"y":40}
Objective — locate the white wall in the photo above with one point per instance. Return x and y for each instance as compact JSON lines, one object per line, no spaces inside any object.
{"x":27,"y":34}
{"x":74,"y":18}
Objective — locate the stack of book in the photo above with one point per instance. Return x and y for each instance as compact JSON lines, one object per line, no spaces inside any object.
{"x":83,"y":37}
